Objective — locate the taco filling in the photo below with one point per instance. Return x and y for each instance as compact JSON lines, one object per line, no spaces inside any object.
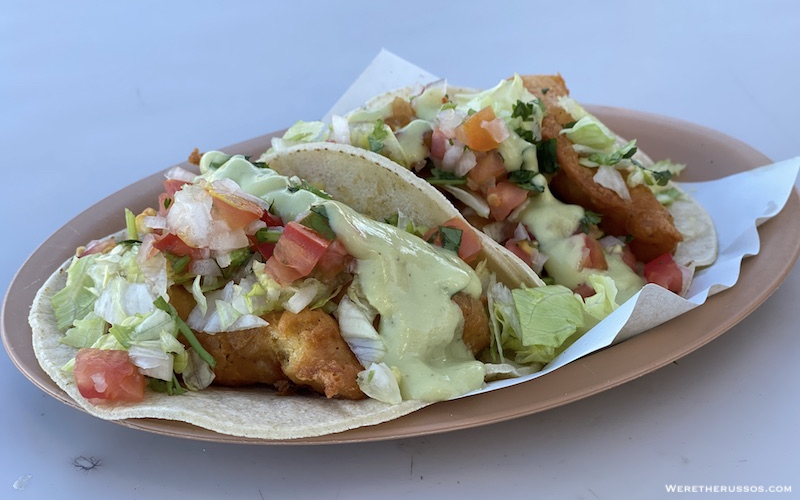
{"x":243,"y":276}
{"x":531,"y":168}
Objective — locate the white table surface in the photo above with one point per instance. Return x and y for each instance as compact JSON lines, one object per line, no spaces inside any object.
{"x":96,"y":96}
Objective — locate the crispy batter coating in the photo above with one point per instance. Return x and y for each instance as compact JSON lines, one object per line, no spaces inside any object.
{"x":476,"y":322}
{"x":651,"y":225}
{"x":194,"y":157}
{"x":304,"y":349}
{"x":244,"y":357}
{"x":313,"y":353}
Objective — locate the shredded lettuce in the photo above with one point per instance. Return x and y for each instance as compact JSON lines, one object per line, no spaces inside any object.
{"x":604,"y":300}
{"x":121,"y":299}
{"x":548,"y":316}
{"x":76,"y":299}
{"x":301,"y":133}
{"x":85,"y":331}
{"x":379,"y":382}
{"x":143,"y":327}
{"x":228,"y":309}
{"x":590,"y":132}
{"x":355,"y":324}
{"x":197,"y":374}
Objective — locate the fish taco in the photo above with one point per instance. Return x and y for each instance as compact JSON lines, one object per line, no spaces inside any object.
{"x":532,"y":169}
{"x":323,"y":291}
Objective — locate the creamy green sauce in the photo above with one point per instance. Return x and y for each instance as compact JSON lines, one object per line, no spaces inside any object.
{"x":553,"y":223}
{"x":409,"y":282}
{"x":412,"y":141}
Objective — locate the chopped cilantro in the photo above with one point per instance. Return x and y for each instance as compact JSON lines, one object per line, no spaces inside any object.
{"x":545,"y":90}
{"x":525,"y":180}
{"x":317,"y":219}
{"x":526,"y":135}
{"x":522,"y":110}
{"x":661,"y":177}
{"x":441,"y":177}
{"x":304,"y":185}
{"x":449,"y":237}
{"x":547,"y":157}
{"x":590,"y":219}
{"x":612,"y":159}
{"x":377,"y":137}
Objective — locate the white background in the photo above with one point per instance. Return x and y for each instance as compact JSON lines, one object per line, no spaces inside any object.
{"x":94,"y":96}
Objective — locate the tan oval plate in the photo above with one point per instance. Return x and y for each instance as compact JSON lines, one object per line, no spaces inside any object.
{"x":709,"y":155}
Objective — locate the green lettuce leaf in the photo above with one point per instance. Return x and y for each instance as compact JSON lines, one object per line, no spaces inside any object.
{"x":76,"y":299}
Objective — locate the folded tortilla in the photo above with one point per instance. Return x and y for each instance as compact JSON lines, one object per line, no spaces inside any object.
{"x":368,"y":183}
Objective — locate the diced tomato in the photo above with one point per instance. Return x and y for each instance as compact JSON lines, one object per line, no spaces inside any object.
{"x":592,"y":256}
{"x":487,"y":172}
{"x":474,"y":134}
{"x":271,"y":220}
{"x":266,"y":249}
{"x":334,"y":260}
{"x":237,"y":211}
{"x":504,"y":198}
{"x":665,"y":272}
{"x":281,"y":273}
{"x":108,"y":376}
{"x":300,"y":248}
{"x":470,"y":246}
{"x":169,"y":242}
{"x":172,"y":186}
{"x":438,"y":144}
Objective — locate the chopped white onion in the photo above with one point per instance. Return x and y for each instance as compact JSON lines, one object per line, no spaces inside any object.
{"x":448,"y":120}
{"x":495,"y":230}
{"x":497,"y":128}
{"x":609,"y":241}
{"x":469,"y":199}
{"x":152,"y":362}
{"x":302,"y":297}
{"x":181,"y":174}
{"x":466,"y":163}
{"x":520,"y":233}
{"x":341,"y":129}
{"x":155,"y":222}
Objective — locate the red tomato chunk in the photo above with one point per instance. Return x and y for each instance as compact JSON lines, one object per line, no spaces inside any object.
{"x":108,"y":376}
{"x":664,"y":271}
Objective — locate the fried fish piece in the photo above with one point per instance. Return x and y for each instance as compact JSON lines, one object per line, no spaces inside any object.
{"x":303,"y":349}
{"x":643,"y":217}
{"x":313,"y":353}
{"x":244,"y":357}
{"x":476,"y":322}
